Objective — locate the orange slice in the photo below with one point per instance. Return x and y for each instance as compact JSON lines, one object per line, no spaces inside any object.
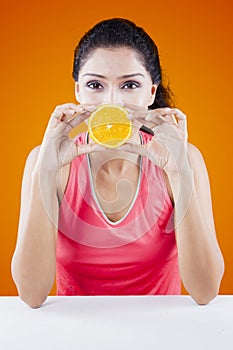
{"x":109,"y":126}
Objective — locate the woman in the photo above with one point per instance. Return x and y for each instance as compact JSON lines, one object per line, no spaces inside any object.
{"x":129,"y":221}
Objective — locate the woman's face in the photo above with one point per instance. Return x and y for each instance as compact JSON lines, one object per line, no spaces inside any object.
{"x":114,"y":75}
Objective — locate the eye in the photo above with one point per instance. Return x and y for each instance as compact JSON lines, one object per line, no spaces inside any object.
{"x":130,"y":85}
{"x":95,"y":85}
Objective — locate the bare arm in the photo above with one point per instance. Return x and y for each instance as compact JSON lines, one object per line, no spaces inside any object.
{"x":34,"y":259}
{"x":200,"y":259}
{"x":34,"y":262}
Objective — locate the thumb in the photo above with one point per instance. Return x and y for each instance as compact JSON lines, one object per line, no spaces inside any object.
{"x":132,"y":148}
{"x":89,"y":148}
{"x":70,"y":150}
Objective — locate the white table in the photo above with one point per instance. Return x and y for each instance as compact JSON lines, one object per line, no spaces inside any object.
{"x":117,"y":323}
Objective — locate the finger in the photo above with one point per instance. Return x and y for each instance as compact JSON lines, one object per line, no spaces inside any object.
{"x":162,"y":111}
{"x":143,"y":119}
{"x":71,"y":149}
{"x":66,"y":111}
{"x":79,"y":110}
{"x":152,"y":150}
{"x":89,"y":148}
{"x":181,"y":118}
{"x":77,"y":118}
{"x":65,"y":106}
{"x":142,"y":126}
{"x":136,"y":115}
{"x":62,"y":112}
{"x":60,"y":116}
{"x":154,"y":121}
{"x":170,"y":115}
{"x":176,"y":113}
{"x":132,"y":148}
{"x":135,"y":108}
{"x":159,"y":118}
{"x":139,"y":124}
{"x":135,"y":111}
{"x":72,"y":117}
{"x":143,"y":114}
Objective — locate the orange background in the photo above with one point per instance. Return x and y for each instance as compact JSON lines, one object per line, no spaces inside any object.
{"x":38,"y":39}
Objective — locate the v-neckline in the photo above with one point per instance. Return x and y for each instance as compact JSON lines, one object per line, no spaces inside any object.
{"x":114,"y":223}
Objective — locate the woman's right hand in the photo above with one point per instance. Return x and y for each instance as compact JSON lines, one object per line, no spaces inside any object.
{"x":57,"y":149}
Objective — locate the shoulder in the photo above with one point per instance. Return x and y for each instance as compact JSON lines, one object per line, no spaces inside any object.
{"x":31,"y":161}
{"x":196,"y":158}
{"x":194,"y":151}
{"x":33,"y":154}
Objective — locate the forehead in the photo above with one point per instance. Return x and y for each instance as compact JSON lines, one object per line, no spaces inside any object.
{"x":107,"y":60}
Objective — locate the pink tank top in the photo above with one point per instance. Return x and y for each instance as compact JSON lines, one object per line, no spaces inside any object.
{"x":136,"y":255}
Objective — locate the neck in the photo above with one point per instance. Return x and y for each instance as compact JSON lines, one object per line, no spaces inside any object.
{"x":113,"y":161}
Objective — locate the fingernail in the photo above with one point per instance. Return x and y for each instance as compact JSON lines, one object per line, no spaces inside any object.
{"x":92,"y":108}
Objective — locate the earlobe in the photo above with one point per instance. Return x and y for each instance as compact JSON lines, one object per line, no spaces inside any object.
{"x":77,"y":91}
{"x":153,"y":93}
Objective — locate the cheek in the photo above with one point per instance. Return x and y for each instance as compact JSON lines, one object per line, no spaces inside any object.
{"x":140,"y":98}
{"x":89,"y":98}
{"x":146,"y":98}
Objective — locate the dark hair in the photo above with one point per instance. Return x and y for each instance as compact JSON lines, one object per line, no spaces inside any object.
{"x":118,"y":32}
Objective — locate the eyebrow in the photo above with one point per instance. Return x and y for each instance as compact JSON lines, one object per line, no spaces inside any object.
{"x":121,"y":77}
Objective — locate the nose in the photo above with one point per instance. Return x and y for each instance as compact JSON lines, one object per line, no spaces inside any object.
{"x":113,"y":95}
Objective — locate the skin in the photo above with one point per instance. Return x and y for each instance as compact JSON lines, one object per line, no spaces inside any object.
{"x":200,"y":259}
{"x":118,"y":78}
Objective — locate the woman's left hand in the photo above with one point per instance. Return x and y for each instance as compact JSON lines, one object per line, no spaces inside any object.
{"x":168,"y":146}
